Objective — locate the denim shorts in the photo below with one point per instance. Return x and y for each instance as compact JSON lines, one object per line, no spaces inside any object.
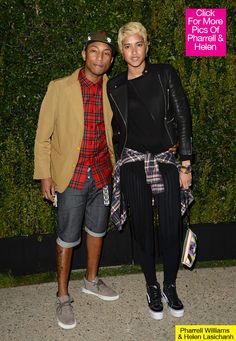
{"x":77,"y":208}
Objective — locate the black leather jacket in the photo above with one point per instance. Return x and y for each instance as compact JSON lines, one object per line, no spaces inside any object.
{"x":172,"y":105}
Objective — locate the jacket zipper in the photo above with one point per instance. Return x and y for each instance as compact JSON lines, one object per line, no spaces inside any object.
{"x":165,"y":116}
{"x":168,"y":99}
{"x":123,"y":121}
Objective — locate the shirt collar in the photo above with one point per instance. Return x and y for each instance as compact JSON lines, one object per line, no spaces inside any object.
{"x":85,"y":82}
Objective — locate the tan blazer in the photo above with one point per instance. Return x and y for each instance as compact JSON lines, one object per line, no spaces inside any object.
{"x":61,"y":128}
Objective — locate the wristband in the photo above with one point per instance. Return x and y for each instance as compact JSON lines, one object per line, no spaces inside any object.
{"x":186,"y":169}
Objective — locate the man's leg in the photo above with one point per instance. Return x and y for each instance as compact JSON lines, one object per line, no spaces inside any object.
{"x":70,"y":212}
{"x":63,"y":258}
{"x":96,"y":218}
{"x":64,"y":309}
{"x":71,"y":204}
{"x":92,"y":284}
{"x":94,"y":250}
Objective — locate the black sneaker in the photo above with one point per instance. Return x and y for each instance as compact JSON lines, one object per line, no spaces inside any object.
{"x":170,"y":297}
{"x":154,"y":301}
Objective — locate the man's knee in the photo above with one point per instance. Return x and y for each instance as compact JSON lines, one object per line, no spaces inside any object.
{"x":67,"y":244}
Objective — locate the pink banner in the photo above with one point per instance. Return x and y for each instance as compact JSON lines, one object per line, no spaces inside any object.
{"x":206,"y":32}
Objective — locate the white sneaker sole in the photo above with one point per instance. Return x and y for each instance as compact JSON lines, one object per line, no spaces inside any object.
{"x":66,"y":326}
{"x":156,"y":315}
{"x":102,"y":297}
{"x":174,"y":312}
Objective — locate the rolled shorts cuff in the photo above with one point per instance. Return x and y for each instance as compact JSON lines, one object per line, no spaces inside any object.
{"x":67,"y":245}
{"x":95,"y":234}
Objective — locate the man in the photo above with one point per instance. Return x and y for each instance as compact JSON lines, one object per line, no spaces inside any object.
{"x":74,"y":158}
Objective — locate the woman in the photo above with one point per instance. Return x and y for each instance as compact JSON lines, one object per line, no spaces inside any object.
{"x":151,"y":115}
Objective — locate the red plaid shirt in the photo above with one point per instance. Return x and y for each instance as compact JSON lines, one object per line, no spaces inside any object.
{"x":94,"y":151}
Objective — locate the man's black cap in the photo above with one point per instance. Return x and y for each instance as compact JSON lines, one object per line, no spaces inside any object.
{"x":103,"y":37}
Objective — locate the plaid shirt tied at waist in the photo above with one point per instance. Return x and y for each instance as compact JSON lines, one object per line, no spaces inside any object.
{"x":153,"y":178}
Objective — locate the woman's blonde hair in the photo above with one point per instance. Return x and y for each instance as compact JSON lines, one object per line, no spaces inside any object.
{"x":132,"y":27}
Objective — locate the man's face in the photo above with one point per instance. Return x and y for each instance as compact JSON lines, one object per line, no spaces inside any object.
{"x":98,"y":59}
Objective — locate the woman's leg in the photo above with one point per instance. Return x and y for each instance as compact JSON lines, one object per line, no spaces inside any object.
{"x":169,"y":222}
{"x":139,"y":198}
{"x":168,"y":204}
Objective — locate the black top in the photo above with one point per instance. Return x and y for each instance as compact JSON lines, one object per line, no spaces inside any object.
{"x":145,"y":128}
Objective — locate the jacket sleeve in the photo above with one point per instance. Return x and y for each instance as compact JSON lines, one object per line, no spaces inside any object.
{"x":46,"y":122}
{"x":180,"y":107}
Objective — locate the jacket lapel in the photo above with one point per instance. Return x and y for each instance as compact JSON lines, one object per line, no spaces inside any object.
{"x":119,"y":93}
{"x":74,"y":92}
{"x":107,"y":112}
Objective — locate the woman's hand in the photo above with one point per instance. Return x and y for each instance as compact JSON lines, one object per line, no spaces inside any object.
{"x":185,"y":180}
{"x":173,"y":149}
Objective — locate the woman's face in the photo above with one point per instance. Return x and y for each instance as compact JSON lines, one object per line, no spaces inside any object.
{"x":134,"y":50}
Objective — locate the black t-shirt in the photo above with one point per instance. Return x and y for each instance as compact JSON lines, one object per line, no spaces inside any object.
{"x":146,"y":129}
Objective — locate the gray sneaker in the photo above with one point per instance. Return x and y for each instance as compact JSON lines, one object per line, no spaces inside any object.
{"x":64,"y":312}
{"x":98,"y":288}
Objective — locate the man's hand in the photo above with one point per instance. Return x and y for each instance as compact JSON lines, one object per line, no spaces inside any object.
{"x":48,"y":189}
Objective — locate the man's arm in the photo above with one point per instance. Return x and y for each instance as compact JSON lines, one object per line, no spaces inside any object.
{"x":46,"y":122}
